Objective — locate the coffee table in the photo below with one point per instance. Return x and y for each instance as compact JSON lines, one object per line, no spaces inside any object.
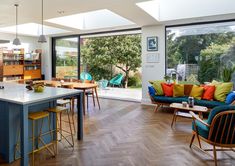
{"x":178,"y":106}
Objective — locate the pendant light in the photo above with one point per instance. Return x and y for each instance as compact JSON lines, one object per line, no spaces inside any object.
{"x":16,"y":41}
{"x":42,"y":37}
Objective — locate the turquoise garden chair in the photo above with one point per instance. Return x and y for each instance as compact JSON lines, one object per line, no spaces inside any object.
{"x":85,"y":76}
{"x":218,"y":130}
{"x":117,"y":80}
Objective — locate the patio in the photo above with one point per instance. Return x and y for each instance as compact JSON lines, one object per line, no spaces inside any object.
{"x":121,"y":93}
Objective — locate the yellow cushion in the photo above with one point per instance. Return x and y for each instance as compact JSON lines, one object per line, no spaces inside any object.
{"x":157,"y":86}
{"x":197,"y":92}
{"x":222,"y":90}
{"x":178,"y":90}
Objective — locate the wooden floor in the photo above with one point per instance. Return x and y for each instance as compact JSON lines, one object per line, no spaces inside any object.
{"x":126,"y":134}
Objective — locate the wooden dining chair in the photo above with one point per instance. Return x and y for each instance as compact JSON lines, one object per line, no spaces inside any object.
{"x":218,"y":130}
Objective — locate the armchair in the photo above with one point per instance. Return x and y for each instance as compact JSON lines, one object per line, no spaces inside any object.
{"x":218,"y":130}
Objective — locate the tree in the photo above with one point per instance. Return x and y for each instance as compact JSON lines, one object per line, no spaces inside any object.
{"x":124,"y":52}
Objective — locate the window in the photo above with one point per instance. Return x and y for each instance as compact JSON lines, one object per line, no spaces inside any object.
{"x":66,"y":50}
{"x":200,"y":53}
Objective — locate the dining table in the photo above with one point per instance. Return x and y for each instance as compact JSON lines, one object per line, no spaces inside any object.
{"x":16,"y":102}
{"x":76,"y":85}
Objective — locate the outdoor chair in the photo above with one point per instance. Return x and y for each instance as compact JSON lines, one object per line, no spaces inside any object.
{"x":218,"y":130}
{"x":85,"y":76}
{"x":117,"y":80}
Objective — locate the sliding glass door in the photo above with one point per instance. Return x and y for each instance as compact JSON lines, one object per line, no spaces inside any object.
{"x":66,"y":59}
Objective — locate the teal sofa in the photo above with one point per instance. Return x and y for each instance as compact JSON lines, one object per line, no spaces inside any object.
{"x":163,"y":100}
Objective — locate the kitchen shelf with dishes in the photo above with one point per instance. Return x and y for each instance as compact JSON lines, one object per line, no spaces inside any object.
{"x":15,"y":64}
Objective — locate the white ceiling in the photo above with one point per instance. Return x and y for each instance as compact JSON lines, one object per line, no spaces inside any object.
{"x":168,"y":11}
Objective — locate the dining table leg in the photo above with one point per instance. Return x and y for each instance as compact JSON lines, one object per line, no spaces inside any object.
{"x":24,"y":136}
{"x":80,"y":116}
{"x":97,"y":98}
{"x":84,"y":101}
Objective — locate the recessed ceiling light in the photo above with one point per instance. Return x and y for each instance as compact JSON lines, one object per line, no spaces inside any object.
{"x":92,"y":20}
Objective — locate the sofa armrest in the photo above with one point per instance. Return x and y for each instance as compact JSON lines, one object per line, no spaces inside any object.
{"x":195,"y":117}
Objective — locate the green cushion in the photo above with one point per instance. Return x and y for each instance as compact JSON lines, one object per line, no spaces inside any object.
{"x":203,"y":130}
{"x":158,"y":87}
{"x":217,"y":110}
{"x":164,"y":99}
{"x":222,"y":90}
{"x":208,"y":104}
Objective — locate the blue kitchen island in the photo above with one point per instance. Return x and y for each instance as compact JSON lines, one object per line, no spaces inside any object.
{"x":15,"y":104}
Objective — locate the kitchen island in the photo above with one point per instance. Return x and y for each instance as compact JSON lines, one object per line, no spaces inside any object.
{"x":15,"y":104}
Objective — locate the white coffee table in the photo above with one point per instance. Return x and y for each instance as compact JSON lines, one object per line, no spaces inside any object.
{"x":178,"y":106}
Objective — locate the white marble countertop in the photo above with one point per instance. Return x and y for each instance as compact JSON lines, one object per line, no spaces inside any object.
{"x":17,"y":93}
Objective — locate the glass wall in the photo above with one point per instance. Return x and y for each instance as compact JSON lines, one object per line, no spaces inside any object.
{"x":66,"y":50}
{"x":200,"y":53}
{"x":105,"y":57}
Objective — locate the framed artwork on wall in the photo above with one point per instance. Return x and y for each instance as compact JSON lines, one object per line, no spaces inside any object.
{"x":152,"y":43}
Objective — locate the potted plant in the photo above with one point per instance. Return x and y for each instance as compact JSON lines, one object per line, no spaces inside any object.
{"x":167,"y":78}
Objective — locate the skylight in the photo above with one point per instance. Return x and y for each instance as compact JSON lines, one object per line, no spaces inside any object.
{"x":150,"y":7}
{"x":33,"y":29}
{"x":167,"y":10}
{"x":92,"y":20}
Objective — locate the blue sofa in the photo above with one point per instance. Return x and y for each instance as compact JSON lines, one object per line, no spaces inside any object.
{"x":163,"y":100}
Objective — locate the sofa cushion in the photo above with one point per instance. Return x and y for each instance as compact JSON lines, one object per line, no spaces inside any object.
{"x":208,"y":104}
{"x":167,"y":89}
{"x":151,"y":91}
{"x":164,"y":99}
{"x":222,"y":90}
{"x":158,"y":88}
{"x":203,"y":130}
{"x":187,"y":89}
{"x":208,"y":93}
{"x":196,"y":92}
{"x":217,"y":110}
{"x":230,"y":98}
{"x":178,"y":90}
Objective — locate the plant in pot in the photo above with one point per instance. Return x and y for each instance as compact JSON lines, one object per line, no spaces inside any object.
{"x":227,"y":73}
{"x":167,"y":78}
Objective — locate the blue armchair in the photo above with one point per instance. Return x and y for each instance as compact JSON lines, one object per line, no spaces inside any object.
{"x":218,"y":130}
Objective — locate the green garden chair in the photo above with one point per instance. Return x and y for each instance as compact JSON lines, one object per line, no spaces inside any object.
{"x":117,"y":80}
{"x":218,"y":130}
{"x":85,"y":76}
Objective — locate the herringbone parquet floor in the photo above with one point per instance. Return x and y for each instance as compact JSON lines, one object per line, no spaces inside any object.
{"x":129,"y":134}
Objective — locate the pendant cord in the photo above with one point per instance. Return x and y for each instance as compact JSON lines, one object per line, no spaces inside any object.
{"x":42,"y":17}
{"x":16,"y":5}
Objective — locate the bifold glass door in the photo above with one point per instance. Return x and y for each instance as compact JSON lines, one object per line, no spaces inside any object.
{"x":66,"y":59}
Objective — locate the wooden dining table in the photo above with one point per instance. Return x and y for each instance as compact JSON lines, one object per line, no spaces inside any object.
{"x":76,"y":85}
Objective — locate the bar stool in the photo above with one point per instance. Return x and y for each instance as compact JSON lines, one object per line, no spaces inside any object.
{"x":69,"y":101}
{"x":35,"y":117}
{"x":58,"y":110}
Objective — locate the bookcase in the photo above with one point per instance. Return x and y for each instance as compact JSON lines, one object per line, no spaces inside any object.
{"x":16,"y":64}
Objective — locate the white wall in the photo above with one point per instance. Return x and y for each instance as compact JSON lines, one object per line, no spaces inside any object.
{"x":47,"y":60}
{"x":152,"y":71}
{"x":32,"y":44}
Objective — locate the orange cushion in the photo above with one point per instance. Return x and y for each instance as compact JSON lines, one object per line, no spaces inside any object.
{"x":208,"y":93}
{"x":167,"y":89}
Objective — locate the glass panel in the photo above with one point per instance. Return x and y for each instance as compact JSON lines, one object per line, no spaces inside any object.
{"x":105,"y":57}
{"x":66,"y":57}
{"x":200,"y":53}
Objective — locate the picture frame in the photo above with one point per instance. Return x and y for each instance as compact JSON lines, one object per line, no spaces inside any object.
{"x":152,"y":43}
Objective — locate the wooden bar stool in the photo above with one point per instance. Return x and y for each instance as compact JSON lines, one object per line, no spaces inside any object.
{"x":35,"y":117}
{"x":58,"y":110}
